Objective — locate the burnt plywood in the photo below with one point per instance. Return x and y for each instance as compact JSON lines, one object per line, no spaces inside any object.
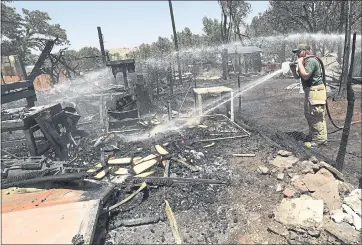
{"x":51,"y":225}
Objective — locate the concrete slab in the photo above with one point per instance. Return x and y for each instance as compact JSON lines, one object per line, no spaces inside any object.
{"x":329,"y":194}
{"x":315,"y":181}
{"x":300,"y":212}
{"x":354,"y":201}
{"x":284,"y":162}
{"x":344,"y":232}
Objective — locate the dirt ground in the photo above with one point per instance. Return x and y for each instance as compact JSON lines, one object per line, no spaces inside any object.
{"x":212,"y":214}
{"x":270,"y":106}
{"x":240,"y":212}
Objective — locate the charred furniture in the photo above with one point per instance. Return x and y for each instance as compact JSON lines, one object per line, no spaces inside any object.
{"x":18,"y":90}
{"x":122,"y":111}
{"x":54,"y":122}
{"x":223,"y":91}
{"x":123,"y":66}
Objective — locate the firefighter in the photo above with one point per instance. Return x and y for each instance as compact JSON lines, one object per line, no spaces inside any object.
{"x":309,"y":71}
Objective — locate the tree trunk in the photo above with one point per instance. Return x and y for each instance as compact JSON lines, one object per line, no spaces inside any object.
{"x":314,"y":47}
{"x":349,"y":114}
{"x":340,"y":30}
{"x":282,"y":52}
{"x":323,"y":49}
{"x":346,"y":54}
{"x":224,"y":58}
{"x":176,"y":44}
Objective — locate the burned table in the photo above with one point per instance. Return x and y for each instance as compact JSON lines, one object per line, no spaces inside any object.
{"x":122,"y":66}
{"x":214,"y":90}
{"x":50,"y":119}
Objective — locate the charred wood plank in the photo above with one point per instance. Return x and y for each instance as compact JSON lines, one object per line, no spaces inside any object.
{"x":6,"y":98}
{"x":12,"y":125}
{"x":124,"y":114}
{"x":6,"y":88}
{"x":179,"y":180}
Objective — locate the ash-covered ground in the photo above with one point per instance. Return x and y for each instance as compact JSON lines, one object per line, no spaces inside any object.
{"x":207,"y":213}
{"x":237,"y":213}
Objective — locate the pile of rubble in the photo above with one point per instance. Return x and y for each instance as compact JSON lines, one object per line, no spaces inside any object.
{"x":317,"y":205}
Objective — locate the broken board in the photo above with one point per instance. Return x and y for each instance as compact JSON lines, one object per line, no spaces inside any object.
{"x":51,"y":216}
{"x":51,"y":225}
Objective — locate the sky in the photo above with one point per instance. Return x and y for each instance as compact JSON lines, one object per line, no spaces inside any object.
{"x":127,"y":23}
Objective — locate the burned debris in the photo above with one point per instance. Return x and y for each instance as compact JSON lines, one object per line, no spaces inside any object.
{"x":163,"y":156}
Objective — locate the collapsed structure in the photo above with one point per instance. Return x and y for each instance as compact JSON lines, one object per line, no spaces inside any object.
{"x":152,"y":171}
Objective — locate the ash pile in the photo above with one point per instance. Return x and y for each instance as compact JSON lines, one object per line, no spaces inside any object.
{"x":183,"y":176}
{"x":147,"y":178}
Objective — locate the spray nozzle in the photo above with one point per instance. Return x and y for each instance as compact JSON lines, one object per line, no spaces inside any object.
{"x":294,"y":63}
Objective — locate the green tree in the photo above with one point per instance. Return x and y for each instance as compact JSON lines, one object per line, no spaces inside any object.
{"x":161,"y":47}
{"x":315,"y":16}
{"x":144,"y":51}
{"x":88,"y":60}
{"x":187,"y":39}
{"x":28,"y":31}
{"x":233,"y":18}
{"x":211,"y":28}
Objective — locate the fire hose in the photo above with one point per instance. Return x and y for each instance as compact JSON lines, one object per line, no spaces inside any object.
{"x":325,"y":84}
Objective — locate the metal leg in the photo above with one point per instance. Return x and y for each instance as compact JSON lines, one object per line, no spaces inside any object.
{"x":30,"y":140}
{"x":125,"y":79}
{"x":195,"y":103}
{"x":199,"y":100}
{"x":31,"y":101}
{"x":101,"y":110}
{"x":232,"y":106}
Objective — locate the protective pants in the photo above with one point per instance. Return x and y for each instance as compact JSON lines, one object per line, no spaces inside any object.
{"x":314,"y":111}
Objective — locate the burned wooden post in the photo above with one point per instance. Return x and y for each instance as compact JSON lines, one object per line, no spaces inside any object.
{"x":125,"y":79}
{"x":170,"y":79}
{"x":169,"y":110}
{"x":123,"y":66}
{"x":239,"y":86}
{"x":144,"y":101}
{"x":101,"y":44}
{"x":176,"y":43}
{"x":224,"y":58}
{"x":349,"y":114}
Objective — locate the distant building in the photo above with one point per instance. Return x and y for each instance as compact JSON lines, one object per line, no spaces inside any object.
{"x":245,"y":58}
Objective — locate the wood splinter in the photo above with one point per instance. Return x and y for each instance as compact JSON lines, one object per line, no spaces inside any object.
{"x":244,"y":155}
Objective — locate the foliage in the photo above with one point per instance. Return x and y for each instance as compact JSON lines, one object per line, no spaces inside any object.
{"x":314,"y":16}
{"x":86,"y":60}
{"x":288,"y":17}
{"x":233,"y":16}
{"x":212,"y":31}
{"x":187,"y":39}
{"x":22,"y":33}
